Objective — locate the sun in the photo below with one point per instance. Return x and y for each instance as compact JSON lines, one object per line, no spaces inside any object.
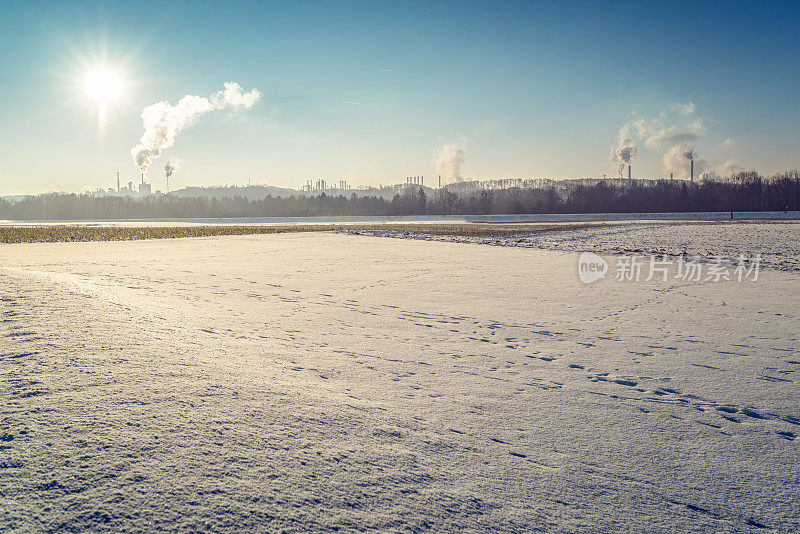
{"x":101,"y":84}
{"x":104,"y":85}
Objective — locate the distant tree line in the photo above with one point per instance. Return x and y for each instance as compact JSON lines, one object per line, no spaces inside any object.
{"x":746,"y":191}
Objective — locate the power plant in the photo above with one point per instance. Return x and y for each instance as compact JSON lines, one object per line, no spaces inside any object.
{"x":144,"y":188}
{"x":322,"y":185}
{"x":130,"y":189}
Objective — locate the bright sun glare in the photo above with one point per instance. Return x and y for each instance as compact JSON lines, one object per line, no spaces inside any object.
{"x":103,"y":85}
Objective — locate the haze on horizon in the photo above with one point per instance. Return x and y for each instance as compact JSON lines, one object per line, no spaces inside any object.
{"x":370,"y":92}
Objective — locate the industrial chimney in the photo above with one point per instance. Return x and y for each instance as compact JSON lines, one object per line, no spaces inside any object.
{"x":629,"y":171}
{"x":117,"y":181}
{"x":691,"y":172}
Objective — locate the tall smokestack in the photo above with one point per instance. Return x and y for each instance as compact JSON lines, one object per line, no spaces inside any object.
{"x":691,"y":172}
{"x":629,"y":171}
{"x":142,"y":177}
{"x":117,"y":181}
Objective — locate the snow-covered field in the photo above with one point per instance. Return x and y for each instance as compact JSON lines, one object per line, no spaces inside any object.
{"x":331,"y":381}
{"x":778,"y":244}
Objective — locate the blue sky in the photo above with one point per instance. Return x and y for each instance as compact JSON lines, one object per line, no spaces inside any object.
{"x":367,"y":91}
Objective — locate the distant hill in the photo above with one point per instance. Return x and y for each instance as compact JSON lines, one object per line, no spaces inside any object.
{"x":250,"y":192}
{"x":258,"y":192}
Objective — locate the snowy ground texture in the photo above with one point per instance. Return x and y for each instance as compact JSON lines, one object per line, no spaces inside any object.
{"x":335,"y":382}
{"x":777,"y":243}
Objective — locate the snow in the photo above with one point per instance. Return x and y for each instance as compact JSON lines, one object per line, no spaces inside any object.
{"x":330,"y":381}
{"x":778,"y":244}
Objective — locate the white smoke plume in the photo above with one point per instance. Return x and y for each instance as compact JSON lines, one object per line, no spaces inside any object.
{"x":687,"y":108}
{"x":163,"y":121}
{"x":679,"y":125}
{"x":669,"y":135}
{"x":625,"y":150}
{"x":677,"y":161}
{"x":728,"y":169}
{"x":448,"y":162}
{"x":173,"y":165}
{"x":673,"y":132}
